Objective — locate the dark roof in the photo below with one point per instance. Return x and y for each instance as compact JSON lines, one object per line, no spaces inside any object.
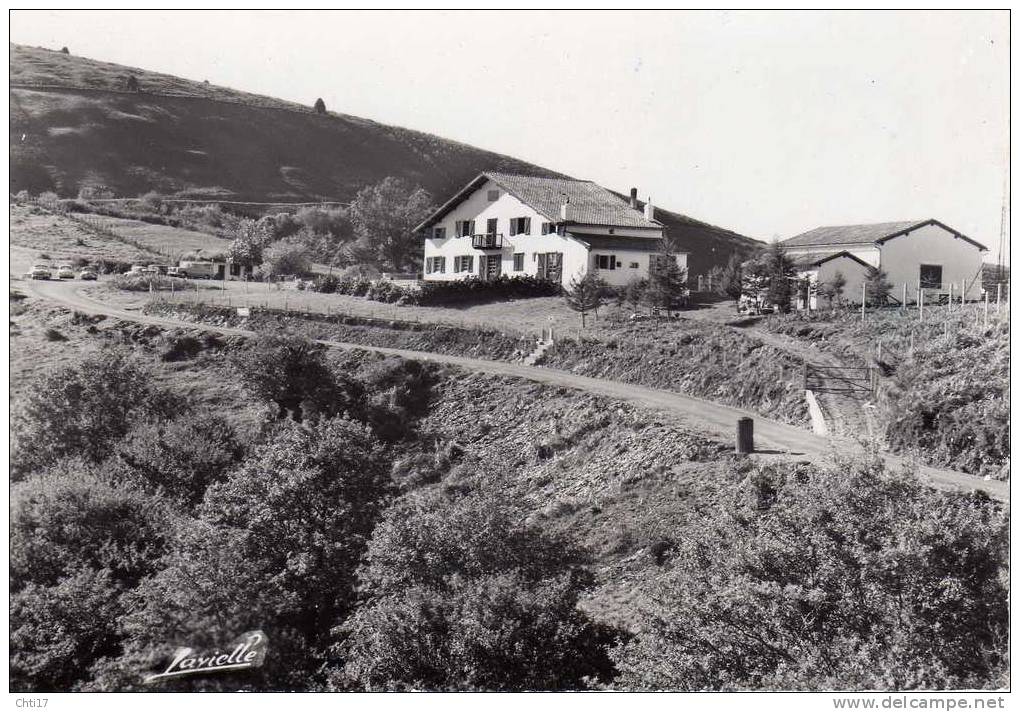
{"x":815,"y":260}
{"x":618,"y":242}
{"x":875,"y":233}
{"x":590,"y":203}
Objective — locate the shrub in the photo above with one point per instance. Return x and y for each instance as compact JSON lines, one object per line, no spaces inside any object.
{"x":83,"y":409}
{"x":462,"y":595}
{"x":52,"y":334}
{"x":144,"y":282}
{"x":847,"y":577}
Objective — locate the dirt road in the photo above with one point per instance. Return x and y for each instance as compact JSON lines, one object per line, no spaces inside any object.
{"x":771,"y":438}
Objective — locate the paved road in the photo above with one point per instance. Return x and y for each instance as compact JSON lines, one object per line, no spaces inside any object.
{"x":771,"y":437}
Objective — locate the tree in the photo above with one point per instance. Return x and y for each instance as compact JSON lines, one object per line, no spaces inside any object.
{"x":879,"y":287}
{"x":250,"y":239}
{"x":291,"y":371}
{"x":65,"y":50}
{"x":833,"y":289}
{"x":83,"y":409}
{"x":845,"y":577}
{"x":585,"y":294}
{"x":634,"y":292}
{"x":463,"y":595}
{"x":667,"y":285}
{"x":731,"y":279}
{"x":320,"y":106}
{"x":384,"y":217}
{"x":275,"y":547}
{"x":780,"y":272}
{"x":286,"y":258}
{"x":131,"y":83}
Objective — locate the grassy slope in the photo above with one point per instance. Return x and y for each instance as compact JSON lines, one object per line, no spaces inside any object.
{"x":190,"y":138}
{"x":44,"y":233}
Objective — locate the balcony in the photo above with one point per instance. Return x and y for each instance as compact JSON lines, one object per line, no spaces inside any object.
{"x":488,"y":241}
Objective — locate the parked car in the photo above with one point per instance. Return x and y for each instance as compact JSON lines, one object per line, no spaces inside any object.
{"x":40,"y":272}
{"x":157,"y":269}
{"x":87,"y":274}
{"x":65,"y":272}
{"x":136,"y":268}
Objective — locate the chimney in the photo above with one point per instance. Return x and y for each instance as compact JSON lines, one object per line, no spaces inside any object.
{"x":649,"y":209}
{"x":633,"y":198}
{"x":564,"y":207}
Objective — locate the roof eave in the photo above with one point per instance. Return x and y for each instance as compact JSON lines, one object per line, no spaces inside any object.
{"x":450,"y":204}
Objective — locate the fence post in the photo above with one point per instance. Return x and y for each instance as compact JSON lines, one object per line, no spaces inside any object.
{"x":864,"y":298}
{"x":903,"y":306}
{"x":920,"y":304}
{"x":950,"y":296}
{"x":998,"y":297}
{"x":986,"y":308}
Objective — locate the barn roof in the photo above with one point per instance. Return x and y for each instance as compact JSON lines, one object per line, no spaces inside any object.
{"x":590,"y":203}
{"x":876,"y":233}
{"x":815,"y":259}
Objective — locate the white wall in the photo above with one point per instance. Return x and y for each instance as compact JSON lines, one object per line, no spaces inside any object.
{"x":903,"y":256}
{"x":854,"y":272}
{"x":624,"y":273}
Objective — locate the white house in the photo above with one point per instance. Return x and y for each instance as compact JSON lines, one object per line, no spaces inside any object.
{"x":822,"y":268}
{"x":924,"y":254}
{"x":551,"y":228}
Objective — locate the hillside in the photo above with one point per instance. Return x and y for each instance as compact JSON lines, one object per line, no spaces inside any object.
{"x":74,"y":122}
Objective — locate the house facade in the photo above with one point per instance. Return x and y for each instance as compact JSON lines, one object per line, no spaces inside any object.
{"x":925,"y":254}
{"x":550,"y":228}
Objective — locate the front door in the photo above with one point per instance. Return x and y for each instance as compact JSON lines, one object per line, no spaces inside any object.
{"x":492,"y":266}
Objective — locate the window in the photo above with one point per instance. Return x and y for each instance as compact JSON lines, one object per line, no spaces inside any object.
{"x":931,"y":276}
{"x":520,"y":226}
{"x":465,"y":228}
{"x":439,"y":233}
{"x":550,"y":266}
{"x":235,"y":269}
{"x":634,"y":265}
{"x":518,"y":262}
{"x":435,"y":264}
{"x":464,"y":263}
{"x":605,"y":261}
{"x":493,"y":196}
{"x":491,"y":226}
{"x":548,"y":228}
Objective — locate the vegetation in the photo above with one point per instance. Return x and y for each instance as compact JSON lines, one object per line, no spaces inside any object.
{"x":667,"y":287}
{"x":944,"y":391}
{"x":472,"y":290}
{"x":384,"y":217}
{"x":147,"y":282}
{"x":585,"y":294}
{"x":844,"y":578}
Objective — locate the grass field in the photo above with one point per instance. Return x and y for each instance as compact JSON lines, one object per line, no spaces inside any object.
{"x":63,"y":240}
{"x":164,"y":239}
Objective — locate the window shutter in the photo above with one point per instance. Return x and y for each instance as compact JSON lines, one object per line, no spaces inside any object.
{"x":513,"y":226}
{"x":471,"y":227}
{"x":527,"y":226}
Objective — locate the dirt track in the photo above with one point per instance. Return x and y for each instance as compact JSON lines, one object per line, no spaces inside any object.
{"x":771,"y":438}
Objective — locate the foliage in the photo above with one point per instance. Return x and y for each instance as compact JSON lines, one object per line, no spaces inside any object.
{"x":250,"y":239}
{"x":285,"y":258}
{"x":82,"y":409}
{"x":355,"y":281}
{"x":832,"y":291}
{"x":145,"y":282}
{"x":384,"y":216}
{"x":275,"y":548}
{"x":585,"y":294}
{"x":291,"y":371}
{"x":180,"y":458}
{"x":879,"y":287}
{"x":464,"y":596}
{"x":842,"y":578}
{"x":667,"y":286}
{"x":320,"y":106}
{"x":731,"y":279}
{"x":68,"y":518}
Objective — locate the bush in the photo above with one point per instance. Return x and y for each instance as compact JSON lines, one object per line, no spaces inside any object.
{"x":52,"y":334}
{"x":847,"y":577}
{"x":83,"y":409}
{"x":466,"y":291}
{"x":144,"y":282}
{"x":462,"y":595}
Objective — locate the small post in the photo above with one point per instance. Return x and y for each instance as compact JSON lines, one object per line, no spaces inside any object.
{"x":986,"y":308}
{"x":920,"y":304}
{"x":745,"y":436}
{"x":864,"y":298}
{"x":998,"y":297}
{"x":950,"y":296}
{"x":903,"y":305}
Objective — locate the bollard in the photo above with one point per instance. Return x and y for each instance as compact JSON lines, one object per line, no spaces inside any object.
{"x":745,"y":436}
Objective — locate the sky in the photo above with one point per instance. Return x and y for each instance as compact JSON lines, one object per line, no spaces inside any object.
{"x":767,"y":123}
